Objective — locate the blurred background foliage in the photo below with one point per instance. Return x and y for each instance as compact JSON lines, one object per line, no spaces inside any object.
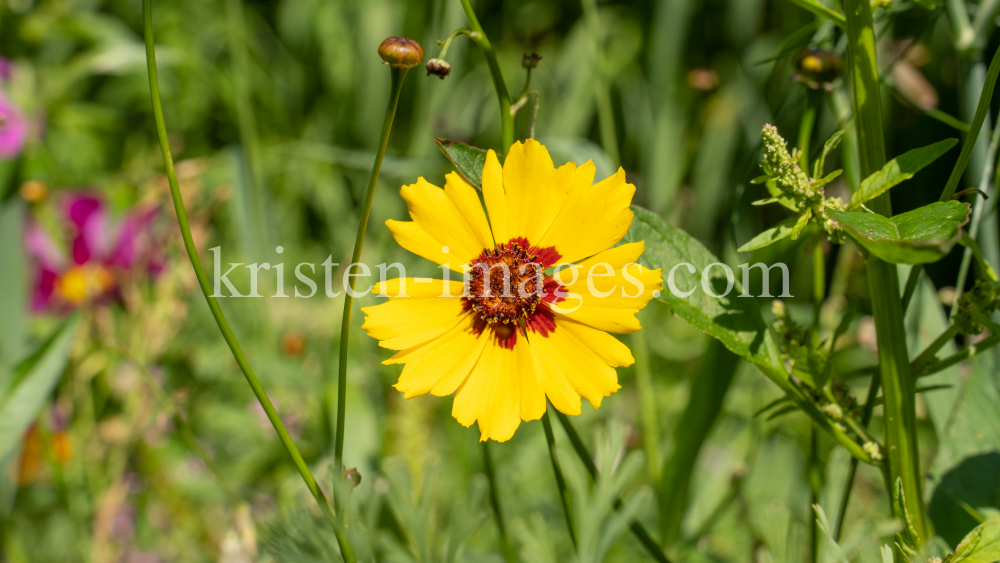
{"x":274,"y":111}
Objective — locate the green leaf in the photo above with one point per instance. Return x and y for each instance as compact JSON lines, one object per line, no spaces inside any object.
{"x":735,"y":321}
{"x":801,"y":224}
{"x":468,"y":161}
{"x":920,"y":236}
{"x":966,"y":470}
{"x":982,"y":545}
{"x":897,"y":170}
{"x":32,"y":382}
{"x":828,"y":147}
{"x":822,"y":11}
{"x":786,"y":201}
{"x":769,"y":237}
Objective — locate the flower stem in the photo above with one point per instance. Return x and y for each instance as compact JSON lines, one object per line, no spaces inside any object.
{"x":647,"y":406}
{"x":505,"y":545}
{"x":213,"y":304}
{"x":638,"y":530}
{"x":398,"y":74}
{"x":478,"y":36}
{"x":897,"y":384}
{"x":866,"y":417}
{"x":560,"y":482}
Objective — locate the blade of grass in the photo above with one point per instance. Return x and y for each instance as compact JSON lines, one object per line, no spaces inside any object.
{"x":560,"y":481}
{"x":213,"y":304}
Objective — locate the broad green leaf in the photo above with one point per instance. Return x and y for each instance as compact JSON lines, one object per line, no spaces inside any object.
{"x":966,"y":470}
{"x":920,"y":236}
{"x":469,"y":161}
{"x":734,"y":320}
{"x":31,"y":383}
{"x":897,"y":170}
{"x":786,"y":201}
{"x":769,"y":237}
{"x":982,"y":545}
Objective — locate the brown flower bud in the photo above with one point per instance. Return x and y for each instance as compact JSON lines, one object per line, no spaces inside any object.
{"x":530,"y":61}
{"x":33,"y":191}
{"x":816,"y":66}
{"x":438,"y":68}
{"x":401,"y":52}
{"x":353,"y":476}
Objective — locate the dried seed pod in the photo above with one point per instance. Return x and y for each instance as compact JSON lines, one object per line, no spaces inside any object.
{"x":439,"y":68}
{"x":401,"y":52}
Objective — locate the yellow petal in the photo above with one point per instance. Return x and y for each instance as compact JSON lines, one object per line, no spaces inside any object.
{"x":493,"y":196}
{"x":445,"y":228}
{"x":414,"y":238}
{"x":467,"y":202}
{"x":607,"y":290}
{"x":532,"y":394}
{"x":594,"y":218}
{"x":535,"y":189}
{"x":405,"y":322}
{"x":440,"y":366}
{"x":569,"y":369}
{"x":419,"y":287}
{"x":491,"y":395}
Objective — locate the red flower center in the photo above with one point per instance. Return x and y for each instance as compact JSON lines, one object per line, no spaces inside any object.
{"x":506,"y":284}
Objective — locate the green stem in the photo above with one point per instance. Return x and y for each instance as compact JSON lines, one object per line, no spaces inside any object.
{"x":605,"y":111}
{"x":965,"y":354}
{"x":815,"y":475}
{"x":503,"y":95}
{"x":927,"y":356}
{"x":560,"y":482}
{"x":398,"y":75}
{"x":638,"y":530}
{"x":647,"y":406}
{"x":213,"y":304}
{"x":866,"y":417}
{"x":883,"y":283}
{"x":505,"y":545}
{"x":977,"y":216}
{"x":968,"y":145}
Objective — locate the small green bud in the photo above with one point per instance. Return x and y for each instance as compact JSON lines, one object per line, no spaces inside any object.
{"x":401,"y":52}
{"x":439,"y":68}
{"x":530,"y":61}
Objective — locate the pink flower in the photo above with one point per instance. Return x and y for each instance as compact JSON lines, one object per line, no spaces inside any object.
{"x":100,"y":253}
{"x":6,"y":69}
{"x":13,"y":129}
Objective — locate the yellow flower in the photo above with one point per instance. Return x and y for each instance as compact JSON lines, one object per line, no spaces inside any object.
{"x":502,"y":343}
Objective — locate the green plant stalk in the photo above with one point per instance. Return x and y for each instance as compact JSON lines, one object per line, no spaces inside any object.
{"x":927,"y":356}
{"x":970,"y":351}
{"x":213,"y":304}
{"x":605,"y":111}
{"x":396,"y":86}
{"x":709,"y":387}
{"x":505,"y":546}
{"x":638,"y":530}
{"x":560,"y":481}
{"x":866,"y":417}
{"x":977,"y":217}
{"x":897,"y":384}
{"x":968,"y":145}
{"x":503,"y":95}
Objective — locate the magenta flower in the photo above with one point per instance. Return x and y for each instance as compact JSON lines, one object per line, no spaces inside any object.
{"x":6,"y":69}
{"x":100,"y":254}
{"x":13,"y":129}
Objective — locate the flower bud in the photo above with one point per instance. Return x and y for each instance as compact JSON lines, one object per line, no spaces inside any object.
{"x":816,"y":66}
{"x":438,"y":68}
{"x":353,"y":476}
{"x":33,"y":191}
{"x":401,"y":52}
{"x":530,"y":61}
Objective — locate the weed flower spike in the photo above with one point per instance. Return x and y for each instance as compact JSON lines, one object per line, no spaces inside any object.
{"x":504,"y":342}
